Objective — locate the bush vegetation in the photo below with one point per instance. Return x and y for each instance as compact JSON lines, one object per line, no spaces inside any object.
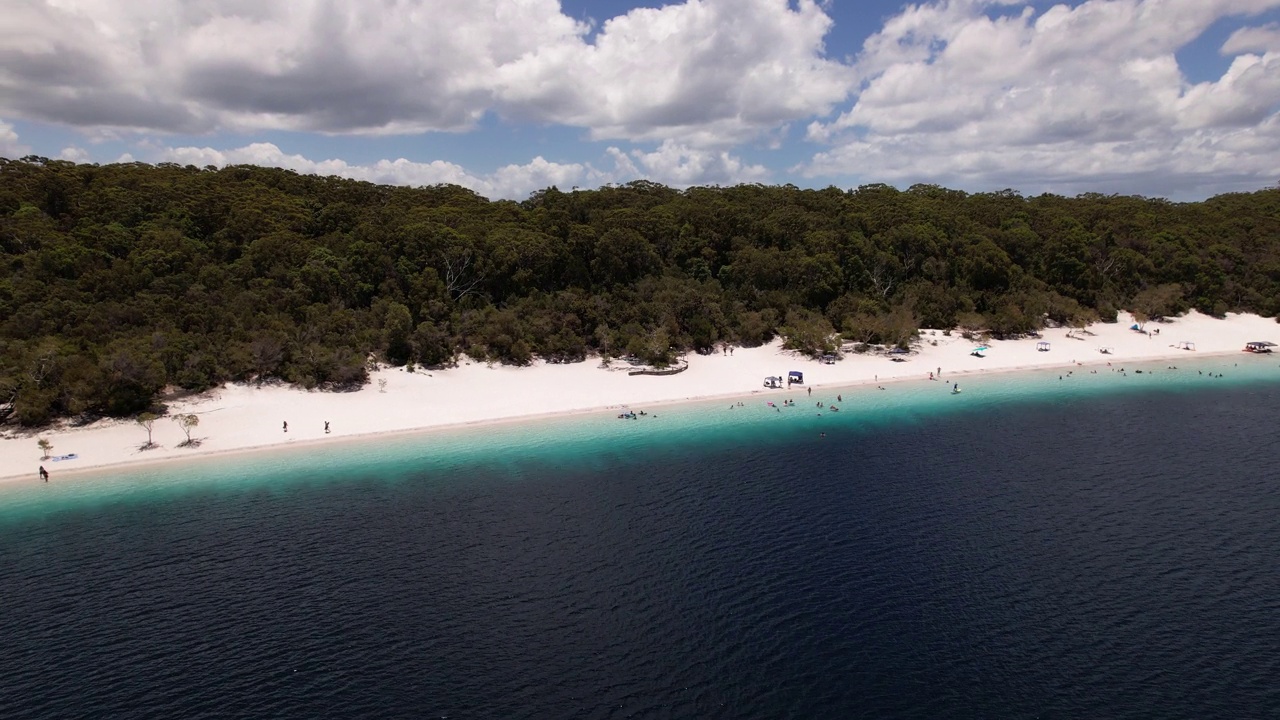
{"x":121,"y":280}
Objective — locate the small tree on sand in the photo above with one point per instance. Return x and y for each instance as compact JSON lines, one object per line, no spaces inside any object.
{"x":187,"y":423}
{"x":147,"y":421}
{"x":45,"y":447}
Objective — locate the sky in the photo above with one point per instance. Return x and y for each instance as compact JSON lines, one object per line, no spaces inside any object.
{"x":1162,"y":98}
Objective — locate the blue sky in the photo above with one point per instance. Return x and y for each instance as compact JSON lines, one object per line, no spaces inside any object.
{"x":1173,"y":98}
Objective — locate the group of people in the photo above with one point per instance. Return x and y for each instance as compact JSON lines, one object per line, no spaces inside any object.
{"x":792,"y":403}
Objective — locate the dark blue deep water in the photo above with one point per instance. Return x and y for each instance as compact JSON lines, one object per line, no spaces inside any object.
{"x":1104,"y":557}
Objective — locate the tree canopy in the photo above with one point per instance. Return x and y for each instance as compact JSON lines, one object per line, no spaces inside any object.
{"x":122,"y":280}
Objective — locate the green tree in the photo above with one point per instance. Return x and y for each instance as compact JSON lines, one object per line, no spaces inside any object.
{"x":433,"y":344}
{"x":187,"y":423}
{"x":1156,"y":302}
{"x":808,"y":332}
{"x":622,"y":256}
{"x":398,"y":327}
{"x":147,"y":420}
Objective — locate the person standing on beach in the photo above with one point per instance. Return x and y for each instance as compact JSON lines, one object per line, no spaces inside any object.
{"x":286,"y":426}
{"x":810,"y":392}
{"x":326,"y":427}
{"x":44,"y":474}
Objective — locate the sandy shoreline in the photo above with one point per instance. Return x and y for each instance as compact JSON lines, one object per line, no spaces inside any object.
{"x":237,"y":419}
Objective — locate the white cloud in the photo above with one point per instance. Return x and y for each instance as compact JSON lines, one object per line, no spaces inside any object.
{"x":75,"y":154}
{"x":705,"y":71}
{"x":670,"y":164}
{"x":1253,"y":39}
{"x":682,"y":166}
{"x":9,"y":145}
{"x":1072,"y":97}
{"x":393,"y":172}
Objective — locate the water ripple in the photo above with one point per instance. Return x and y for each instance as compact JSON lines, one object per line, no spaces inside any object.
{"x":1104,"y":557}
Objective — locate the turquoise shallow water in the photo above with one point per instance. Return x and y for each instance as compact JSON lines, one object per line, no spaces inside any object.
{"x":581,"y":442}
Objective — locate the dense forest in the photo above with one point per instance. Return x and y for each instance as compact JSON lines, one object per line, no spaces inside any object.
{"x":120,"y":281}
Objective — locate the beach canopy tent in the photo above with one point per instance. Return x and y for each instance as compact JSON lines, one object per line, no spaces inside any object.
{"x":830,"y":359}
{"x":1259,"y":346}
{"x":1186,"y":345}
{"x":1042,"y":346}
{"x":795,"y":377}
{"x":773,"y":381}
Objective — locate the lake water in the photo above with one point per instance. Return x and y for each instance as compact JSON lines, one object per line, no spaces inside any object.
{"x":1096,"y":546}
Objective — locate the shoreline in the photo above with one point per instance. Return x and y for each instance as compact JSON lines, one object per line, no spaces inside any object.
{"x":428,"y":403}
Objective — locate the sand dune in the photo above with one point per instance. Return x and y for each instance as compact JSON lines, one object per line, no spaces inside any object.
{"x":239,"y":417}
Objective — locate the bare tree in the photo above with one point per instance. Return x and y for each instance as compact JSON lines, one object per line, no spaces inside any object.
{"x":42,"y":365}
{"x":881,"y":280}
{"x":459,"y":280}
{"x":8,"y":397}
{"x":45,"y":446}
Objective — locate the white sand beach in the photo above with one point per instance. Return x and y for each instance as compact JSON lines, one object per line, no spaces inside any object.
{"x":241,"y":417}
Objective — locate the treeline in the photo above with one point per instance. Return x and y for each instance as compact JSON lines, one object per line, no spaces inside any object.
{"x":121,"y":280}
